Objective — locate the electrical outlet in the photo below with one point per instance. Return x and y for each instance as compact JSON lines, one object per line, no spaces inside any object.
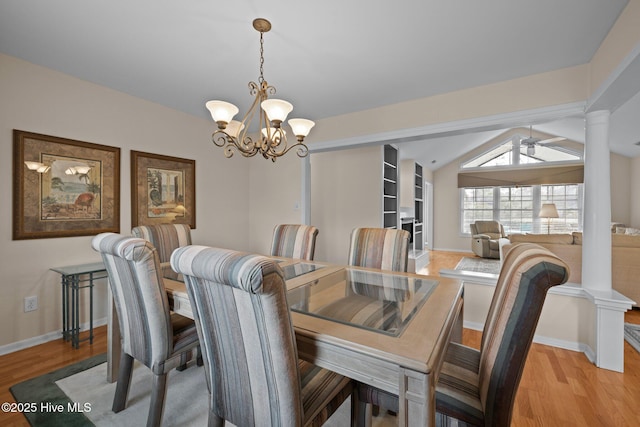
{"x":30,"y":303}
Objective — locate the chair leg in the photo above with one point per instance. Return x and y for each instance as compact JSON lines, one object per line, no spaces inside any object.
{"x":355,"y":407}
{"x":199,"y":360}
{"x":184,"y":358}
{"x":363,"y":414}
{"x":214,"y":420}
{"x":124,"y":381}
{"x":156,"y":407}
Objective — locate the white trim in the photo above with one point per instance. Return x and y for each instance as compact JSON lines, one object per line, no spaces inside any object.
{"x":619,"y":86}
{"x":49,"y":336}
{"x":497,"y":121}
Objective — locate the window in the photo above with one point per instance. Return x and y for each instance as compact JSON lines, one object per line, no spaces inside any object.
{"x":517,"y":207}
{"x":514,"y":165}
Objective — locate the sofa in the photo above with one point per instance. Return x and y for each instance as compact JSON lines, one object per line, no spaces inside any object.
{"x":625,"y":257}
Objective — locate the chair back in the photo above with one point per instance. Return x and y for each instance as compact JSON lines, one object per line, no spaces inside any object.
{"x":140,"y":297}
{"x":493,"y":229}
{"x":165,"y":238}
{"x":294,"y":241}
{"x":247,"y":338}
{"x":527,"y":273}
{"x":382,"y":248}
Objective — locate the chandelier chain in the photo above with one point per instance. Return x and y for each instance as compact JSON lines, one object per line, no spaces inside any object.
{"x":261,"y":78}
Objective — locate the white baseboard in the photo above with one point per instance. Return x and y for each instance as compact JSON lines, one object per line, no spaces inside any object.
{"x":49,"y":336}
{"x":553,"y":342}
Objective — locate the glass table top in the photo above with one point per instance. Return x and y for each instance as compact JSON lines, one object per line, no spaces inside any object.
{"x":294,"y":270}
{"x":375,"y":301}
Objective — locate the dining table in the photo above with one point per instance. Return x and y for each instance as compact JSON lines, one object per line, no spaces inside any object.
{"x":387,"y":329}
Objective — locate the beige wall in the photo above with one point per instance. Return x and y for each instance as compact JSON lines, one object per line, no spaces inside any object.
{"x":634,"y":194}
{"x":346,"y":192}
{"x":565,"y":321}
{"x":558,"y":87}
{"x":619,"y":43}
{"x":40,"y":100}
{"x":274,"y":198}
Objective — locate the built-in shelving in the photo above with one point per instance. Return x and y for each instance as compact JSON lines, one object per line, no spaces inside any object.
{"x":390,"y":187}
{"x":418,"y":236}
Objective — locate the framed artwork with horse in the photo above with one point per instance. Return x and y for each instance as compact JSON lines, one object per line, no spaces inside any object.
{"x":64,"y":187}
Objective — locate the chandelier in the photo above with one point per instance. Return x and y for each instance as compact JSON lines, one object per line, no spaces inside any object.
{"x":272,"y":139}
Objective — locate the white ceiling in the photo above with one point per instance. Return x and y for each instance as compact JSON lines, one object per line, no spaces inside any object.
{"x":327,"y":58}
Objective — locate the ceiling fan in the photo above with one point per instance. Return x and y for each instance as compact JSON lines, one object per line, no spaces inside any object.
{"x":531,"y":142}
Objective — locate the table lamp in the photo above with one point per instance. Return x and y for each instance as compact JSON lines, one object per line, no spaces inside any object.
{"x":548,"y":211}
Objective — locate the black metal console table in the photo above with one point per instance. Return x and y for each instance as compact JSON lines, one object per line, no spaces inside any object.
{"x":74,"y":278}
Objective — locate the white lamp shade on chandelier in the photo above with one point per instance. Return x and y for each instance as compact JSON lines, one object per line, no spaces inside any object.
{"x":222,"y":112}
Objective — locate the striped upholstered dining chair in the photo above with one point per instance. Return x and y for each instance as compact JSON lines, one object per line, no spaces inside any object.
{"x":165,"y":238}
{"x":478,"y":387}
{"x":294,"y":241}
{"x":149,"y":333}
{"x":382,"y":248}
{"x":253,"y":373}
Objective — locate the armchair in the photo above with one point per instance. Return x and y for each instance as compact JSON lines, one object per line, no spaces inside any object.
{"x":485,"y":237}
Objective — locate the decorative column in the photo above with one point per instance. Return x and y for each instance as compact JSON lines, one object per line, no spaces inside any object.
{"x":596,"y":246}
{"x":596,"y":237}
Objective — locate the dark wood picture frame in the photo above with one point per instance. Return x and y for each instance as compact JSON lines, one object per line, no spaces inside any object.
{"x":58,"y":200}
{"x":163,"y":189}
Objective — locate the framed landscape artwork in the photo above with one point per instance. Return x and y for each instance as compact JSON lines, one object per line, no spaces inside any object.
{"x":162,"y":190}
{"x":63,"y":187}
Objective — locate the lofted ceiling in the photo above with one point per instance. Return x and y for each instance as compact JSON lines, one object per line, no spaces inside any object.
{"x":327,"y":58}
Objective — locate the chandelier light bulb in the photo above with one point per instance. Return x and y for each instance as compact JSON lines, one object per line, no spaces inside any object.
{"x":32,"y":166}
{"x":272,"y":132}
{"x":277,"y":110}
{"x":234,"y":128}
{"x":222,"y":112}
{"x":301,"y":127}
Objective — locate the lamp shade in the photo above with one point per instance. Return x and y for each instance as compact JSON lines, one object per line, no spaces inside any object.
{"x":273,"y":133}
{"x":548,"y":210}
{"x":32,"y":166}
{"x":82,"y":169}
{"x":277,"y":109}
{"x":234,"y":128}
{"x":301,"y":127}
{"x":221,"y":111}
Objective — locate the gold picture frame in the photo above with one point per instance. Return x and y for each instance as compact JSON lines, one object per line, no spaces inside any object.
{"x":63,"y":187}
{"x":163,"y":189}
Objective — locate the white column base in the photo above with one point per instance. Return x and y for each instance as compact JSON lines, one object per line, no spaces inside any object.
{"x":609,"y":329}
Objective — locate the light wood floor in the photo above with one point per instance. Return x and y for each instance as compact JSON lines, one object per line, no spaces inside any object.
{"x":558,"y":387}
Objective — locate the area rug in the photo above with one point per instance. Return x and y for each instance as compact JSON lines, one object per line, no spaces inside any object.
{"x":479,"y":265}
{"x":44,"y":396}
{"x":86,"y":398}
{"x":632,"y":335}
